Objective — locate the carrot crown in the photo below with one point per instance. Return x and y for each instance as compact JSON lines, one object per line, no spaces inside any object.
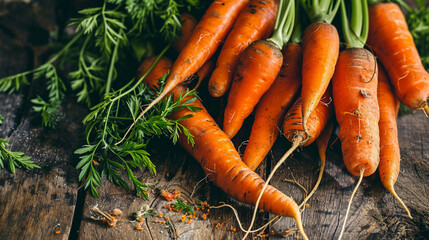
{"x":285,"y":21}
{"x":355,"y":32}
{"x":321,"y":10}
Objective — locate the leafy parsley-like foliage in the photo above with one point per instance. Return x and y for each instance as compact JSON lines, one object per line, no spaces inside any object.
{"x":11,"y":160}
{"x":107,"y":122}
{"x":50,"y":110}
{"x":105,"y":36}
{"x":183,"y":207}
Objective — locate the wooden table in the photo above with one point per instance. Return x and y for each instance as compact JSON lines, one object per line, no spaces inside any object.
{"x":49,"y":204}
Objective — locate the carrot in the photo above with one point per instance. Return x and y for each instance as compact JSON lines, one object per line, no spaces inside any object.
{"x":292,"y":124}
{"x":273,"y":106}
{"x":355,"y":98}
{"x":257,"y":69}
{"x":188,"y":25}
{"x":294,"y":132}
{"x":255,"y":22}
{"x":203,"y":72}
{"x":389,"y":147}
{"x":222,"y":164}
{"x":205,"y":39}
{"x":320,"y":48}
{"x":164,"y":65}
{"x":394,"y":45}
{"x":161,"y":67}
{"x":356,"y":109}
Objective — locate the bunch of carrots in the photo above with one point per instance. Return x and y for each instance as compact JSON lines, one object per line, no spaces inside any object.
{"x":296,"y":78}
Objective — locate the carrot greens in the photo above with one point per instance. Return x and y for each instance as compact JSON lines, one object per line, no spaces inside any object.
{"x":96,"y":64}
{"x":105,"y":37}
{"x":320,"y":10}
{"x":11,"y":160}
{"x":109,"y":119}
{"x":355,"y":31}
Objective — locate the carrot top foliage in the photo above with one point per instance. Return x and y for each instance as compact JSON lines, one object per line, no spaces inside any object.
{"x":109,"y":119}
{"x":97,"y":64}
{"x":355,"y":31}
{"x":110,"y":38}
{"x":284,"y":24}
{"x":321,"y":10}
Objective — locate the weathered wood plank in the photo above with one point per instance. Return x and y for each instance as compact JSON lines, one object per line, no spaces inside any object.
{"x":36,"y":204}
{"x":13,"y":60}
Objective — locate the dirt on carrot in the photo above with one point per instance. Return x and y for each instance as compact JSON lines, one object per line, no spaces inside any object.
{"x":357,"y":114}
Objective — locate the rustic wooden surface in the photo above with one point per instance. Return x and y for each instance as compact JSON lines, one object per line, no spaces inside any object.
{"x":37,"y":204}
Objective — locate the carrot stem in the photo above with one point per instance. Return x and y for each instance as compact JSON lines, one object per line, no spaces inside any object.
{"x":320,"y":10}
{"x":350,"y":202}
{"x":297,"y":28}
{"x":356,"y":32}
{"x":284,"y":23}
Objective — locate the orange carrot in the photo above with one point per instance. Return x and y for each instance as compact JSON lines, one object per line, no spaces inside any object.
{"x":389,"y":147}
{"x":357,"y":111}
{"x":255,"y":22}
{"x":394,"y":45}
{"x":162,"y":66}
{"x":223,"y":165}
{"x":203,"y":72}
{"x":320,"y":48}
{"x":355,"y":98}
{"x":188,"y":25}
{"x":292,"y":124}
{"x":257,"y":69}
{"x":272,"y":107}
{"x":205,"y":39}
{"x":320,"y":45}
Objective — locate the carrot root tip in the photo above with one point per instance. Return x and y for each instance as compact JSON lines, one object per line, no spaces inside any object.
{"x":426,"y":110}
{"x":350,"y":203}
{"x":392,"y":190}
{"x":301,"y":228}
